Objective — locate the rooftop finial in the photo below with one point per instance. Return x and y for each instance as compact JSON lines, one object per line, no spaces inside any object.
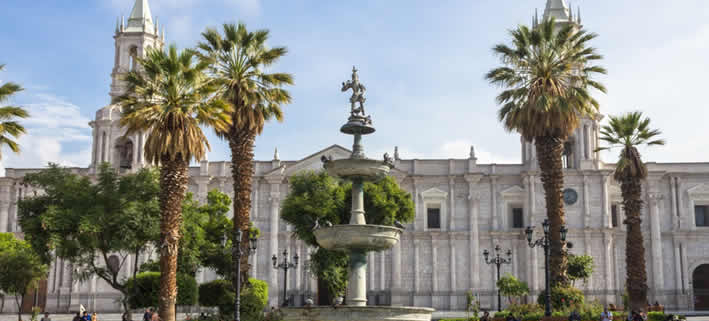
{"x":275,"y":154}
{"x":472,"y":152}
{"x":396,"y":153}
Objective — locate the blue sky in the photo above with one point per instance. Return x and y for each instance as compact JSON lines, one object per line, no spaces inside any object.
{"x":422,"y":61}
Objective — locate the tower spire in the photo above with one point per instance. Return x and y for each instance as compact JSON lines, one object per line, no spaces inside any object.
{"x":140,"y":17}
{"x":557,"y":9}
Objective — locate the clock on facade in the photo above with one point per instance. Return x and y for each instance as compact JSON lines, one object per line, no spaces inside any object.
{"x":570,"y":196}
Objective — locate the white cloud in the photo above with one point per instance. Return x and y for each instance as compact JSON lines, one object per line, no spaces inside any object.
{"x":54,"y":124}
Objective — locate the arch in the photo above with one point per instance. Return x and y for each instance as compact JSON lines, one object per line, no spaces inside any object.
{"x":124,"y":151}
{"x":132,"y":57}
{"x":700,"y":287}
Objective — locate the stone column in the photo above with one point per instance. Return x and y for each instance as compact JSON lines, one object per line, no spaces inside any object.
{"x":435,"y":243}
{"x":136,"y":149}
{"x":580,"y":142}
{"x":493,"y":193}
{"x":100,"y":158}
{"x":451,"y":209}
{"x":656,"y":241}
{"x":396,"y":266}
{"x":608,"y":264}
{"x":589,"y":250}
{"x":94,"y":143}
{"x":453,"y":279}
{"x":586,"y":203}
{"x":5,"y":201}
{"x":382,"y":270}
{"x":357,"y":286}
{"x":680,"y":204}
{"x":606,"y":205}
{"x":473,"y":231}
{"x":417,"y":263}
{"x":418,"y":219}
{"x":679,"y":282}
{"x":673,"y":189}
{"x":274,"y":199}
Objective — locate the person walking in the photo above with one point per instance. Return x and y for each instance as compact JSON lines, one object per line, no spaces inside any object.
{"x":486,"y":316}
{"x":86,"y":317}
{"x":46,"y":317}
{"x":147,"y":316}
{"x":606,"y":315}
{"x":77,"y":317}
{"x":94,"y":316}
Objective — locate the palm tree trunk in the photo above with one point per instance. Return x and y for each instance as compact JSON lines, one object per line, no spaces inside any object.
{"x":241,"y":143}
{"x":549,"y":151}
{"x":631,"y":189}
{"x":173,"y":185}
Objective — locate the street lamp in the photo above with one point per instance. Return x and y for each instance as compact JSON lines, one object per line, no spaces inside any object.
{"x":498,"y":261}
{"x":544,"y":242}
{"x":237,"y":252}
{"x":285,"y":265}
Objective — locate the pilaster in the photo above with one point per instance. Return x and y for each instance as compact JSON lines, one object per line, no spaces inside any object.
{"x":586,"y":202}
{"x":656,"y":241}
{"x":473,"y":230}
{"x":451,"y":208}
{"x":5,"y":201}
{"x":493,"y":192}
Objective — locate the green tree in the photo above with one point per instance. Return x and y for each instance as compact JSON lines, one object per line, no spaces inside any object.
{"x":170,"y":99}
{"x":145,"y":288}
{"x":10,"y":129}
{"x":546,"y":78}
{"x":580,"y":268}
{"x":315,"y":196}
{"x":220,"y":293}
{"x":627,"y":132}
{"x":238,"y":60}
{"x":20,"y":269}
{"x":96,"y":226}
{"x":511,"y":287}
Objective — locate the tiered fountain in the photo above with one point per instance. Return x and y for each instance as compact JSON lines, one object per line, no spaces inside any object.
{"x":357,"y":238}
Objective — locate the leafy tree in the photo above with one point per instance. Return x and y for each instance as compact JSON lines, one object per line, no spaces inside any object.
{"x":580,"y":267}
{"x":10,"y":129}
{"x":511,"y":287}
{"x":146,"y":285}
{"x":220,"y":293}
{"x":20,"y":268}
{"x":315,"y":196}
{"x":627,"y":132}
{"x":93,"y":225}
{"x":171,"y":99}
{"x":547,"y":83}
{"x":238,"y":60}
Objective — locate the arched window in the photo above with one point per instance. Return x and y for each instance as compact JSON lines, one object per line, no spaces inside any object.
{"x":124,"y":148}
{"x":567,"y":160}
{"x":133,"y":55}
{"x":102,"y":152}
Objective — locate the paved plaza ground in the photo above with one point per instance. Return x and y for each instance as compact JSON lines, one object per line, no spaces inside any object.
{"x":117,"y":317}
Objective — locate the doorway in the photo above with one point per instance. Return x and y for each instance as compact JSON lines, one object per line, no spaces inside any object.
{"x":324,"y":297}
{"x":700,"y":285}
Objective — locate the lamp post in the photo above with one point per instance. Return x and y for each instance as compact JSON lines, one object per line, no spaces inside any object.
{"x":285,"y":265}
{"x":498,"y":261}
{"x":237,"y":252}
{"x":544,"y":242}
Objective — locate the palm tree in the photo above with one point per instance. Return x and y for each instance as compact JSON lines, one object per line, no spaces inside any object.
{"x":10,"y":129}
{"x":170,"y":98}
{"x":546,"y":81}
{"x":627,"y":132}
{"x":237,"y":61}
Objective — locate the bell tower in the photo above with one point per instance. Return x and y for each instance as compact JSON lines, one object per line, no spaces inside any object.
{"x":132,"y":40}
{"x":579,"y":148}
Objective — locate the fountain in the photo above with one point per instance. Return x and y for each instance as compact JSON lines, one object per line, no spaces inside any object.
{"x":357,"y":238}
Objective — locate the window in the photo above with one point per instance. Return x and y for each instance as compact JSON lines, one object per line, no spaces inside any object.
{"x":701,"y":215}
{"x":434,"y":217}
{"x":614,"y":215}
{"x":517,"y":218}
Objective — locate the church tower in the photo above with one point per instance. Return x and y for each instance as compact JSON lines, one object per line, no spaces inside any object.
{"x":579,"y":149}
{"x":132,"y":40}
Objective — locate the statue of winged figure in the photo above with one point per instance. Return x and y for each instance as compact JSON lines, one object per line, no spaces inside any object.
{"x":358,"y":90}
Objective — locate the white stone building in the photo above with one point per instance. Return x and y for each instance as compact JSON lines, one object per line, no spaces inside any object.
{"x":462,"y":208}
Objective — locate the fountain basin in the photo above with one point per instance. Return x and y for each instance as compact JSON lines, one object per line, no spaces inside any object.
{"x":353,"y":313}
{"x":358,"y":237}
{"x":358,"y":168}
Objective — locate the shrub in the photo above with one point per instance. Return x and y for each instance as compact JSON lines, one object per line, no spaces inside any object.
{"x":656,"y":316}
{"x":220,"y":294}
{"x":562,"y":298}
{"x":510,"y":287}
{"x":147,"y":293}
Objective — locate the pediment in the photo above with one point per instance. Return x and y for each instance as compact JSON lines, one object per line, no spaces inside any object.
{"x":512,"y":191}
{"x":312,"y":162}
{"x":434,"y":193}
{"x":701,"y":189}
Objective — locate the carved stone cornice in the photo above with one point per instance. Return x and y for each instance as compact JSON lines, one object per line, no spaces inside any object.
{"x":472,"y":178}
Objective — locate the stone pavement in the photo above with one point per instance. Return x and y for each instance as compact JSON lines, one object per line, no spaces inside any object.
{"x":181,"y":316}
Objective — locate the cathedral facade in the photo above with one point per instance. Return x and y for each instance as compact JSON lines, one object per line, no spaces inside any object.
{"x":462,"y":208}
